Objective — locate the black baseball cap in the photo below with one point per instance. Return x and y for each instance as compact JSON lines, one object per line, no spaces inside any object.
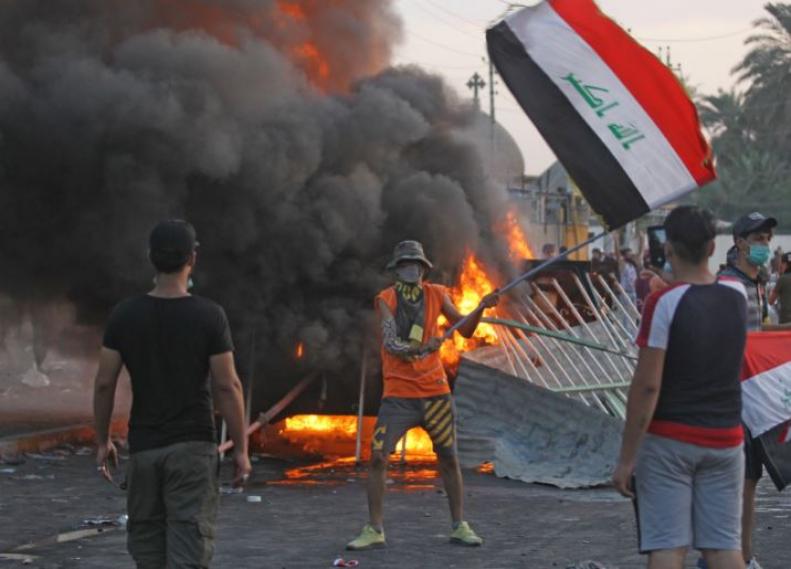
{"x":174,"y":237}
{"x":752,"y":223}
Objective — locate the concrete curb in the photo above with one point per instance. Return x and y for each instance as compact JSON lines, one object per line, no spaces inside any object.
{"x":39,"y":441}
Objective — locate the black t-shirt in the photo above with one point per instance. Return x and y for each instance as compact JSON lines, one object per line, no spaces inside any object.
{"x":165,"y":344}
{"x":702,"y":329}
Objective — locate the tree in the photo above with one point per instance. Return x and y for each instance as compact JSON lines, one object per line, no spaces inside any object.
{"x":767,"y":70}
{"x":751,"y":131}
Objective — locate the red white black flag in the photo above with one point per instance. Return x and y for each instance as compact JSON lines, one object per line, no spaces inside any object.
{"x":616,"y":117}
{"x":766,"y":382}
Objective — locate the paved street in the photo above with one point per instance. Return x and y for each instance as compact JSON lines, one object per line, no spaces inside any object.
{"x":304,"y":521}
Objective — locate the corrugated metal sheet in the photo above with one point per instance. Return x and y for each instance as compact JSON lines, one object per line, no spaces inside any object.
{"x":530,"y":433}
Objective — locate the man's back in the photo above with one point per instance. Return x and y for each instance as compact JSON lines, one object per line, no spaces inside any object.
{"x":702,"y":329}
{"x":165,"y":344}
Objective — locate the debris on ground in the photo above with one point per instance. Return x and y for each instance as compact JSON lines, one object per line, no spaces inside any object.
{"x":12,"y":460}
{"x":106,"y":521}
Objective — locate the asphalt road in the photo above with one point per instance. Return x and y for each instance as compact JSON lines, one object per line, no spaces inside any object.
{"x":306,"y":521}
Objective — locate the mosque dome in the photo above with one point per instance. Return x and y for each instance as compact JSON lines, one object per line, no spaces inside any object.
{"x":502,"y":157}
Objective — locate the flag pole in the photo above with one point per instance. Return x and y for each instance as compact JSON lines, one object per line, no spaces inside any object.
{"x":532,"y":272}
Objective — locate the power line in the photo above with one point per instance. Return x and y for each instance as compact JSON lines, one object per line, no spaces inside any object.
{"x":477,"y":25}
{"x":442,"y":45}
{"x":443,"y":67}
{"x":699,"y":39}
{"x":452,"y":26}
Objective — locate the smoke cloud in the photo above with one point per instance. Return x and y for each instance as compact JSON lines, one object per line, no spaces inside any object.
{"x":276,"y":128}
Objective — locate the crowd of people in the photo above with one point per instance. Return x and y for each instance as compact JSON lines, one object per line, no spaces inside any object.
{"x":639,"y":278}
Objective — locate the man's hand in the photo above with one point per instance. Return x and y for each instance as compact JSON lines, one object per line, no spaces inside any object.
{"x":432,"y":346}
{"x":106,"y":453}
{"x":243,"y":469}
{"x":622,"y":479}
{"x":490,"y":300}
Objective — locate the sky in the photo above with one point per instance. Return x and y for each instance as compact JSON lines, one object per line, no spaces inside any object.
{"x":706,"y":37}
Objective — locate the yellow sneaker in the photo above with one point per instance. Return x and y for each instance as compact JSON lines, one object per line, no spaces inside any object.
{"x":464,"y":535}
{"x":369,"y":538}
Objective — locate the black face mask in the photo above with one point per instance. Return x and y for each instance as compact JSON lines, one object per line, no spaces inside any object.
{"x":409,"y":273}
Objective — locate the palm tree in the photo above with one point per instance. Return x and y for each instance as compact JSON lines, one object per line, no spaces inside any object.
{"x":767,"y":70}
{"x":750,"y":177}
{"x":728,"y":124}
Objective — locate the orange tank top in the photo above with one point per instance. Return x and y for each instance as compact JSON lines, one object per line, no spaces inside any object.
{"x":423,"y":377}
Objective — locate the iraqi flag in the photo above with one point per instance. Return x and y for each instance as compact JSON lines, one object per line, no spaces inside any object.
{"x":766,"y":383}
{"x":615,"y":116}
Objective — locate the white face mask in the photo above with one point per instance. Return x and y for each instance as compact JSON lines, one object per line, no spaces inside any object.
{"x":410,"y":273}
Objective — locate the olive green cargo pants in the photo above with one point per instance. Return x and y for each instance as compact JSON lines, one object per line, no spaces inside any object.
{"x":172,"y":503}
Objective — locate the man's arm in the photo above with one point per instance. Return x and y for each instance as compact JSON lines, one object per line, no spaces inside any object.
{"x":640,"y":407}
{"x":773,"y":299}
{"x":110,"y":364}
{"x":229,"y":399}
{"x":468,"y":328}
{"x":390,"y":340}
{"x":775,"y":291}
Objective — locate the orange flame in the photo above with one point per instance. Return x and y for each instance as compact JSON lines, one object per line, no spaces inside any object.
{"x":313,"y":63}
{"x":306,"y":54}
{"x":486,"y":468}
{"x":473,"y":285}
{"x":300,"y":350}
{"x":292,"y":10}
{"x":298,"y":28}
{"x":518,"y":246}
{"x":418,"y":443}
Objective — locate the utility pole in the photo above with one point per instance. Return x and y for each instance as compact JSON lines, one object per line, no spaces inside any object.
{"x":491,"y":94}
{"x":492,"y":120}
{"x":476,"y":83}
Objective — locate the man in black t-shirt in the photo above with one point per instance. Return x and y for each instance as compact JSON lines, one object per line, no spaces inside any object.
{"x":171,"y":343}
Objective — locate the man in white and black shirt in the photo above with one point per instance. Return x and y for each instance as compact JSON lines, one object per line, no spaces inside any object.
{"x":683,"y":435}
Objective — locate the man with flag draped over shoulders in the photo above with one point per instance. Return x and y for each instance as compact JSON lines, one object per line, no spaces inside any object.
{"x":416,"y":389}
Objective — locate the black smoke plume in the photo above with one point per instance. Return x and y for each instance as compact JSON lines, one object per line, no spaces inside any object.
{"x":275,"y":127}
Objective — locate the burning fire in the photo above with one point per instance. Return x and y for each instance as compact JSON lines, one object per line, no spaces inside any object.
{"x":342,"y":424}
{"x":294,"y":32}
{"x":314,"y":64}
{"x":306,"y":55}
{"x":473,"y":285}
{"x":292,"y":10}
{"x":518,"y":247}
{"x":300,"y":352}
{"x":418,"y":443}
